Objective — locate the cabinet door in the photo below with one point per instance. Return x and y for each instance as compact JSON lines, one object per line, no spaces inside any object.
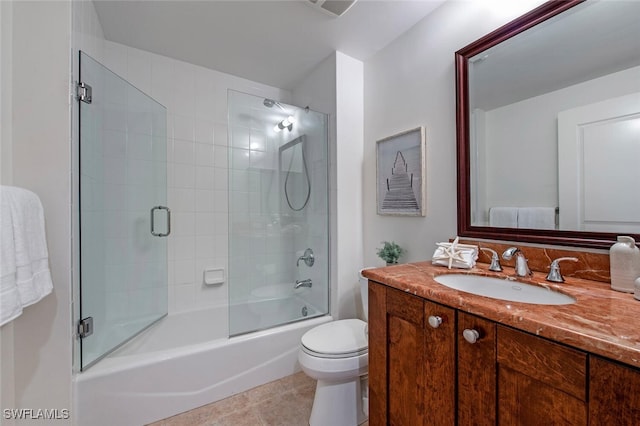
{"x":396,"y":357}
{"x":614,"y":393}
{"x":440,"y":364}
{"x":476,"y":372}
{"x":405,"y":359}
{"x":539,"y":382}
{"x":377,"y":354}
{"x":411,"y":360}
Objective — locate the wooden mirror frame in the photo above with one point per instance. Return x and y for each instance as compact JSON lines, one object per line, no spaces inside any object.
{"x":602,"y":240}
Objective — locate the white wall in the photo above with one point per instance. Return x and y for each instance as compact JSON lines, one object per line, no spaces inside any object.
{"x":533,"y":180}
{"x":411,"y":83}
{"x":349,"y":151}
{"x":41,"y":162}
{"x":6,"y":178}
{"x":6,"y":29}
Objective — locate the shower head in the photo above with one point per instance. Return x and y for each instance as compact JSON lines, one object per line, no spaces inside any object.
{"x":269,"y":103}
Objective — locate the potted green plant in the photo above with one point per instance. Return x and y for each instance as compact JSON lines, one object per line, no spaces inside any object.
{"x":390,"y":252}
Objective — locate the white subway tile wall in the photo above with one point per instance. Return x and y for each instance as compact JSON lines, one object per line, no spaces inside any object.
{"x":197,"y":163}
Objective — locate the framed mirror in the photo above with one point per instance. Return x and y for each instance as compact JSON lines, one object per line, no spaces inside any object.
{"x":548,"y":126}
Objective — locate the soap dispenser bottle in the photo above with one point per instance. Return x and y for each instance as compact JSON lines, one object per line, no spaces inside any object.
{"x":624,"y":258}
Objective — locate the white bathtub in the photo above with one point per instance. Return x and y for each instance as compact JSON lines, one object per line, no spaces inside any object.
{"x":180,"y":364}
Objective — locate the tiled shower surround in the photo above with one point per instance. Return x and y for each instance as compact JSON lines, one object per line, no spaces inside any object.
{"x":197,"y":163}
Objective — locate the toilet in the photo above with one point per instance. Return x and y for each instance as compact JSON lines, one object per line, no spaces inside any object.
{"x":336,"y":354}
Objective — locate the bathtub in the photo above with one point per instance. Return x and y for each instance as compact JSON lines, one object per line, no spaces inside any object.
{"x":182,"y":363}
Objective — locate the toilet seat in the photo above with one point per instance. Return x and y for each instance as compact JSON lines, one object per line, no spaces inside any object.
{"x":337,"y":339}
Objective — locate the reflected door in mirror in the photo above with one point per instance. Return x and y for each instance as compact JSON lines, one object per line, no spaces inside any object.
{"x":598,"y":154}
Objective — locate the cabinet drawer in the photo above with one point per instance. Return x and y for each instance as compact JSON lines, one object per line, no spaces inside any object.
{"x":556,"y":365}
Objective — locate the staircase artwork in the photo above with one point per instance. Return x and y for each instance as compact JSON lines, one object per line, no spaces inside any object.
{"x":400,"y":194}
{"x":400,"y":169}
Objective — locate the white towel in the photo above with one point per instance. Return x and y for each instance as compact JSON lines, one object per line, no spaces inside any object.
{"x":10,"y":306}
{"x":26,"y":278}
{"x":503,"y":217}
{"x":537,"y":217}
{"x":455,"y":255}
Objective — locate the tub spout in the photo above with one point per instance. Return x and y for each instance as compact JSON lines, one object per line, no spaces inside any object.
{"x":303,"y":283}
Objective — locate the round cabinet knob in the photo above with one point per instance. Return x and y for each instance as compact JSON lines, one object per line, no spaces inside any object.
{"x":435,"y":321}
{"x":470,"y":335}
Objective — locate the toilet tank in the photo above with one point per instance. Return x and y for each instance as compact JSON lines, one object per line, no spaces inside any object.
{"x":364,"y":293}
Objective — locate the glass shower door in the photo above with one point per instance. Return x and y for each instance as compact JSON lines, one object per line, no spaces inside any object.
{"x":123,"y":213}
{"x":278,"y":208}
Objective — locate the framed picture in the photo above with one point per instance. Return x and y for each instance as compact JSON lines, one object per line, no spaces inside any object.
{"x":400,"y":171}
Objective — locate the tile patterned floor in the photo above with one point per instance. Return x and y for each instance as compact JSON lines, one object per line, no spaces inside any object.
{"x":285,"y":402}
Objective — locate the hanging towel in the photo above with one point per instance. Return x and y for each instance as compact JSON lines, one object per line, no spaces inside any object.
{"x":503,"y":217}
{"x":537,"y":217}
{"x":24,"y":266}
{"x":10,"y":306}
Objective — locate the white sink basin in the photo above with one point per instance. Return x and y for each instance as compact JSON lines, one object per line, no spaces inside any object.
{"x":514,"y":291}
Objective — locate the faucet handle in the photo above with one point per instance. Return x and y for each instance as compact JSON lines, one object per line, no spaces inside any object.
{"x":554,"y":269}
{"x":495,"y":260}
{"x":308,"y":258}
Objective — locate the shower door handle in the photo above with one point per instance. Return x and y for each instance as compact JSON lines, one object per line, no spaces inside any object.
{"x":160,"y":234}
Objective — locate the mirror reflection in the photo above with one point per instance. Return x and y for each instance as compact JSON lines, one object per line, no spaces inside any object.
{"x":554,"y":124}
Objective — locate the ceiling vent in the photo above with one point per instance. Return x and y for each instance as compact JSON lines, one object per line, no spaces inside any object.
{"x":332,"y":7}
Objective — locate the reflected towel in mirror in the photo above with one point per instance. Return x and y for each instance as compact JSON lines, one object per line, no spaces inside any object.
{"x":537,"y":217}
{"x":503,"y":217}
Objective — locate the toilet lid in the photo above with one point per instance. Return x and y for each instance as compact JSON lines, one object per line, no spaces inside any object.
{"x":337,"y":338}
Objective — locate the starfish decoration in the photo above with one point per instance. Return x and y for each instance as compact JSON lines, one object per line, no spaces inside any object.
{"x":450,"y":252}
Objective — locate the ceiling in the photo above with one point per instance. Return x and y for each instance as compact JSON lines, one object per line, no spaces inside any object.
{"x":268,"y":41}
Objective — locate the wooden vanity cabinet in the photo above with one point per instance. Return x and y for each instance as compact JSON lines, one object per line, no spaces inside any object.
{"x":411,"y":359}
{"x":424,"y":371}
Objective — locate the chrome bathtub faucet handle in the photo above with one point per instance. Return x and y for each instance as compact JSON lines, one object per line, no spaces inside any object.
{"x":554,"y":269}
{"x":308,"y":258}
{"x":495,"y":260}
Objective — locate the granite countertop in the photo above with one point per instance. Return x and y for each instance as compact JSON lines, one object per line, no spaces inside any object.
{"x":602,"y":321}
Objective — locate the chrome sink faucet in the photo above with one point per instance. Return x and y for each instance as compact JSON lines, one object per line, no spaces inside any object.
{"x":522,"y":268}
{"x":554,"y":270}
{"x":303,"y":283}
